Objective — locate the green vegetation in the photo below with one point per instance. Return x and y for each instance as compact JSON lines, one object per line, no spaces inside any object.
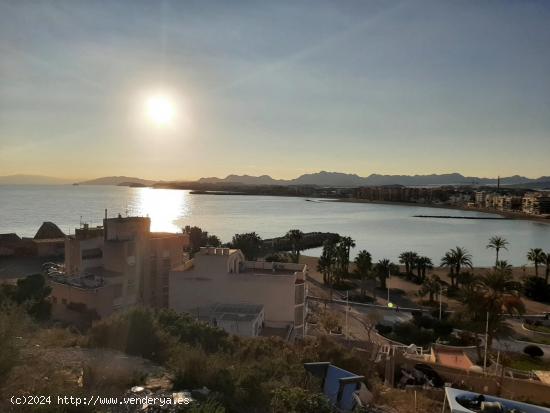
{"x":250,"y":244}
{"x":246,"y":374}
{"x":30,"y":293}
{"x":199,"y":238}
{"x":363,"y":268}
{"x":421,"y":330}
{"x":537,"y":257}
{"x":497,"y":243}
{"x":527,"y":363}
{"x":295,"y":236}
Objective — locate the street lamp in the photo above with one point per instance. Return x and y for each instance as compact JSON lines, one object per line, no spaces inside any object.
{"x":440,"y":302}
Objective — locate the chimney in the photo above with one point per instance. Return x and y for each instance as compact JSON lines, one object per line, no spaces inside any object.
{"x":105,"y":213}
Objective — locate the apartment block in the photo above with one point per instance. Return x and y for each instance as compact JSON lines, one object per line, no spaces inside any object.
{"x":222,"y":278}
{"x":536,"y":203}
{"x":116,"y":266}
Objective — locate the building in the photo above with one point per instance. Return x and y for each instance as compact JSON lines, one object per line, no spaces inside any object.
{"x":480,"y":199}
{"x":222,"y":276}
{"x":507,"y":203}
{"x":240,"y":319}
{"x":116,"y":266}
{"x":536,"y":203}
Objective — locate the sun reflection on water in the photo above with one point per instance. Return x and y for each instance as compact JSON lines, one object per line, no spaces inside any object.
{"x":163,"y":206}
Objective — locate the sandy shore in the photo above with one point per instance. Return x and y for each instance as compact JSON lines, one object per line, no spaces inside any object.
{"x":504,"y":214}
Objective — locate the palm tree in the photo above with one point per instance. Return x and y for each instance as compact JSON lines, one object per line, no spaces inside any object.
{"x":503,"y":266}
{"x":408,"y":258}
{"x":363,"y":267}
{"x":422,"y":264}
{"x":547,"y":265}
{"x":536,"y":256}
{"x":448,"y":261}
{"x":497,"y":243}
{"x":326,"y":263}
{"x":493,"y":294}
{"x":295,"y":236}
{"x":382,"y":270}
{"x":430,"y":286}
{"x":345,"y":246}
{"x":462,"y":258}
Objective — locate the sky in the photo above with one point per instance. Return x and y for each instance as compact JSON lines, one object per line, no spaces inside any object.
{"x":275,"y":87}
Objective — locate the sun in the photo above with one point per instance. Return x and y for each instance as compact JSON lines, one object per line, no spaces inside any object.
{"x":160,"y":110}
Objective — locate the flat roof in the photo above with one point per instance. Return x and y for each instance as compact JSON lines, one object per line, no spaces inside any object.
{"x":231,"y":312}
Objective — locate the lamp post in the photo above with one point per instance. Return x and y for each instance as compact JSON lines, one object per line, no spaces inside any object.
{"x":440,"y":302}
{"x":388,"y":284}
{"x":486,"y":343}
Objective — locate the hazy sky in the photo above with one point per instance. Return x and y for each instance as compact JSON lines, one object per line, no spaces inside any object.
{"x":275,"y":87}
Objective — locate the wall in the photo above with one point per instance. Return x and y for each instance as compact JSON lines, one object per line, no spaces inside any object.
{"x":99,"y":299}
{"x":208,"y":283}
{"x":516,"y":389}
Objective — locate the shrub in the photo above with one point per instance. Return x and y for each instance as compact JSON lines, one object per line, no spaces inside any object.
{"x":442,"y":328}
{"x":536,"y":289}
{"x":297,"y":400}
{"x":533,"y":351}
{"x":383,"y":329}
{"x":135,"y":332}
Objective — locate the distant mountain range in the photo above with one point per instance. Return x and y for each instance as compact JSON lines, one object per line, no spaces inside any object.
{"x":118,"y":180}
{"x":325,"y":178}
{"x":21,"y":179}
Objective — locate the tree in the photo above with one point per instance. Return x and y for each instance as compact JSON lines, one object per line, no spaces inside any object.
{"x":422,"y":264}
{"x":456,"y":259}
{"x":547,"y":265}
{"x":462,"y":258}
{"x":382,"y":269}
{"x":249,"y":243}
{"x":327,"y":262}
{"x":199,"y":238}
{"x":372,"y":318}
{"x":537,"y":257}
{"x":344,"y":247}
{"x":295,"y":236}
{"x":363,"y":268}
{"x":497,"y":243}
{"x":492,"y":295}
{"x":448,"y":261}
{"x":213,"y":241}
{"x":408,"y":258}
{"x":431,"y":286}
{"x":31,"y":293}
{"x":536,"y":289}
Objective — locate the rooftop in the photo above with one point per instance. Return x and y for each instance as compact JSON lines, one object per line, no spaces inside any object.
{"x":84,"y":282}
{"x":231,"y":312}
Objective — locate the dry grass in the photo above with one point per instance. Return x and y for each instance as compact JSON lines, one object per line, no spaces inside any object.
{"x":403,"y":401}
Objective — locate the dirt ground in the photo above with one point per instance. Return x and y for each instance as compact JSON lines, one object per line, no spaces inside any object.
{"x":410,"y":289}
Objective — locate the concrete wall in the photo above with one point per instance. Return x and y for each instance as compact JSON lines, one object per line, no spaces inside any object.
{"x":208,"y":283}
{"x":98,"y":299}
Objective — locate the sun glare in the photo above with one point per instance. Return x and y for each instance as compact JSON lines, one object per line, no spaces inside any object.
{"x":160,"y":110}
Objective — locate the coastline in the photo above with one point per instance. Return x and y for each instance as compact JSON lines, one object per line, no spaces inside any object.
{"x":504,"y":214}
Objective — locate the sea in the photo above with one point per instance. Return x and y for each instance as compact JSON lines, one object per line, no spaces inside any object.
{"x":383,"y":230}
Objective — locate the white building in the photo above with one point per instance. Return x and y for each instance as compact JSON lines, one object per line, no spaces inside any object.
{"x":222,"y":276}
